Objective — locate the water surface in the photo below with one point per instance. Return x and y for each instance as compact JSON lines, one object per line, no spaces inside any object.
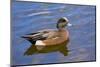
{"x":30,"y":17}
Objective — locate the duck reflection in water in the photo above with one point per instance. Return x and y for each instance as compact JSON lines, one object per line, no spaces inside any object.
{"x":49,"y":40}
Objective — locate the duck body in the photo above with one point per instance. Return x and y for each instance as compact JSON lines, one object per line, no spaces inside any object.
{"x":49,"y":38}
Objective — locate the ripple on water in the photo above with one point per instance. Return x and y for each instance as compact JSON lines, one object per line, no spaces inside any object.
{"x":31,"y":17}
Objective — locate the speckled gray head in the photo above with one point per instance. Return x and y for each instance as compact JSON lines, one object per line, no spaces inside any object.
{"x":63,"y":22}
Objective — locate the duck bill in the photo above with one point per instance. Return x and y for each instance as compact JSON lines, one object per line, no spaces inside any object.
{"x":69,"y":24}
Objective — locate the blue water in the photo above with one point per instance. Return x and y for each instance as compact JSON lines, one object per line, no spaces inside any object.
{"x":30,"y":17}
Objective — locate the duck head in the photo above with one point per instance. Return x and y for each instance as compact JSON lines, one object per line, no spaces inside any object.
{"x":62,"y":23}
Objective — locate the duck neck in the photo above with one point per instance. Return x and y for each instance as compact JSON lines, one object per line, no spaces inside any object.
{"x":62,"y":29}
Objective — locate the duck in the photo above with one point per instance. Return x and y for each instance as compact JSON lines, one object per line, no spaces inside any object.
{"x":50,"y":37}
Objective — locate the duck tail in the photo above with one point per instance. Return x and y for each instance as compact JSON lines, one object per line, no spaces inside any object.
{"x":24,"y":37}
{"x":30,"y":39}
{"x":27,"y":37}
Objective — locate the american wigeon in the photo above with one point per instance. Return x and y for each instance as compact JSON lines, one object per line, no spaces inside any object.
{"x":50,"y":37}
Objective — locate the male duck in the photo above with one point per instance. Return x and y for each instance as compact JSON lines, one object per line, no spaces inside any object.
{"x":50,"y":37}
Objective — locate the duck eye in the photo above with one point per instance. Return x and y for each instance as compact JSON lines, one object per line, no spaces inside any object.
{"x":63,"y":20}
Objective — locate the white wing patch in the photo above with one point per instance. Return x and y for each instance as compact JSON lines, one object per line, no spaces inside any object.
{"x":40,"y":43}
